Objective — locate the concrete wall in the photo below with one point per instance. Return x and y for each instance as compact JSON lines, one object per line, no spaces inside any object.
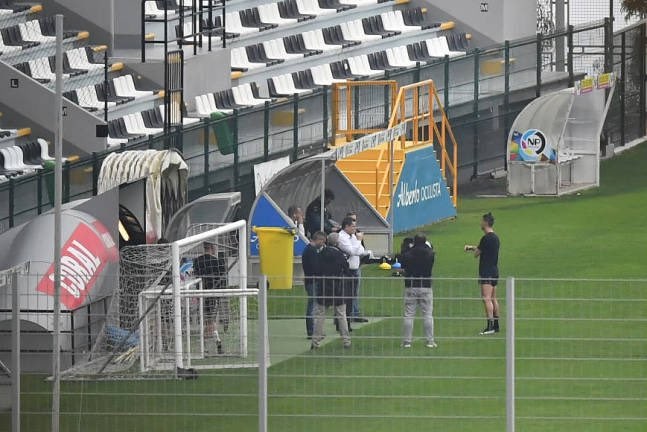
{"x":35,"y":102}
{"x":202,"y":74}
{"x":95,"y":16}
{"x":115,"y":22}
{"x":504,"y":19}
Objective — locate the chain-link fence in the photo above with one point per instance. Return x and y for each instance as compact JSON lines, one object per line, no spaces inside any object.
{"x":578,"y":349}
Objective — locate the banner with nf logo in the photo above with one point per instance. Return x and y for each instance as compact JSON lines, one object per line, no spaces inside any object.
{"x":421,"y":196}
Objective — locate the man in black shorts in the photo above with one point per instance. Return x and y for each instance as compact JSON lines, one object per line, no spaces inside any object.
{"x":213,"y":270}
{"x":488,"y":254}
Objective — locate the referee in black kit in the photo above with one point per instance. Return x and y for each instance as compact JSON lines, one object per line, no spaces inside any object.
{"x":488,"y":254}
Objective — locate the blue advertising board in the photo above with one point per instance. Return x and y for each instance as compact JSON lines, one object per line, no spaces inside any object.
{"x":266,"y":215}
{"x":421,"y":196}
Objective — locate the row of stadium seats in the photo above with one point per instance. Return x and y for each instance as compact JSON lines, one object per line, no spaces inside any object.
{"x":314,"y":42}
{"x":324,"y":75}
{"x":366,"y":65}
{"x":267,"y":16}
{"x":23,"y":158}
{"x":138,"y":125}
{"x":31,"y":34}
{"x":83,"y":72}
{"x":75,"y":62}
{"x":116,"y":91}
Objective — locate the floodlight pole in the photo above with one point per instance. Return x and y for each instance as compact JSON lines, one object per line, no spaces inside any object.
{"x":58,"y":189}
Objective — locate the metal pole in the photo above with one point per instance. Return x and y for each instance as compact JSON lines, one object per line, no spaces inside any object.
{"x":623,"y":79}
{"x":177,"y":305}
{"x":322,"y":198}
{"x":569,"y":40}
{"x":506,"y":102}
{"x":262,"y":356}
{"x":538,"y":46}
{"x":560,"y":25}
{"x":15,"y":355}
{"x":391,"y":178}
{"x":58,"y":192}
{"x":475,"y":116}
{"x":509,"y":356}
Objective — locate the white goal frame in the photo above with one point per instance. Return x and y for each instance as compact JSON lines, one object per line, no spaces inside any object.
{"x":184,"y":290}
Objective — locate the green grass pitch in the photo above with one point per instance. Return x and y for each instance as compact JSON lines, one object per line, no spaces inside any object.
{"x":581,"y":347}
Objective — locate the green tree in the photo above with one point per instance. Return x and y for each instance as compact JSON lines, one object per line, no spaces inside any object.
{"x":635,"y":8}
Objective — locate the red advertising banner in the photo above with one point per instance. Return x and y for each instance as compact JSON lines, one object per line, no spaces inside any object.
{"x":83,"y":258}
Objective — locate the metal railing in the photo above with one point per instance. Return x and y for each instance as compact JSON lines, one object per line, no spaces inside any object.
{"x":198,"y":13}
{"x":481,"y":95}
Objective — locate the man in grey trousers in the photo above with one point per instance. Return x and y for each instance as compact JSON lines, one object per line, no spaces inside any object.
{"x":333,"y":291}
{"x":418,"y":261}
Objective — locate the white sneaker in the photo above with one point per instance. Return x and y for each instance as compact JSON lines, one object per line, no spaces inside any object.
{"x":432,"y":345}
{"x":406,"y":345}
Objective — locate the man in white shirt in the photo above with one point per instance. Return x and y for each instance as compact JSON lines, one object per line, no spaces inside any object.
{"x":350,"y":244}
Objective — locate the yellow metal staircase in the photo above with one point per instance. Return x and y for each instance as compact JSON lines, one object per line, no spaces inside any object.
{"x":375,"y":172}
{"x":366,"y":173}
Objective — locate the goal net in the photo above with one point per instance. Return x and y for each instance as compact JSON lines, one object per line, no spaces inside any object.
{"x":178,"y":306}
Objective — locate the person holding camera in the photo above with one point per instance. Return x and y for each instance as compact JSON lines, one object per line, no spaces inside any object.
{"x":417,"y":259}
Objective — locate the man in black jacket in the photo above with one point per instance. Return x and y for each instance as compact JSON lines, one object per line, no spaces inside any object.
{"x":310,"y":260}
{"x":313,"y":215}
{"x":417,"y":263}
{"x":332,"y":292}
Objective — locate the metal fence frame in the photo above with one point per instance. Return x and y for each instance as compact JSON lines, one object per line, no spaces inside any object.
{"x":474,"y":157}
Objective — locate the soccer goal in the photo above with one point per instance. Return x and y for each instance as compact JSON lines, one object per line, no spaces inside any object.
{"x":180,"y":305}
{"x":200,"y":319}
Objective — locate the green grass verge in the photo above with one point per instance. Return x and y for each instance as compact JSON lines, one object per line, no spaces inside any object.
{"x":581,"y":358}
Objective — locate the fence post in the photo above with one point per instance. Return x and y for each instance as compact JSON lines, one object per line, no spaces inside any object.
{"x":12,"y":193}
{"x":295,"y":128}
{"x":446,"y":84}
{"x":643,"y":104}
{"x":539,"y":46}
{"x":105,"y":85}
{"x":475,"y":115}
{"x":387,"y":104}
{"x":205,"y":149}
{"x":266,"y":131}
{"x":236,"y":155}
{"x":608,"y":45}
{"x":325,"y":116}
{"x":571,"y":74}
{"x":15,"y":352}
{"x":95,"y":174}
{"x":510,"y":356}
{"x":66,"y":183}
{"x":355,"y":109}
{"x":39,"y":192}
{"x":262,"y":355}
{"x":623,"y":79}
{"x":506,"y":101}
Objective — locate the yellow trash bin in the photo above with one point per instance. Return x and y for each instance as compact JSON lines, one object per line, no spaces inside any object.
{"x":276,"y":251}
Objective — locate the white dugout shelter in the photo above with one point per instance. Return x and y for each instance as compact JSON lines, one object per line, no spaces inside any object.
{"x":554,"y":143}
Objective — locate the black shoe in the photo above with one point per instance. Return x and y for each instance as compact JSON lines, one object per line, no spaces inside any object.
{"x":313,"y":348}
{"x":360,"y":320}
{"x":487,"y":331}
